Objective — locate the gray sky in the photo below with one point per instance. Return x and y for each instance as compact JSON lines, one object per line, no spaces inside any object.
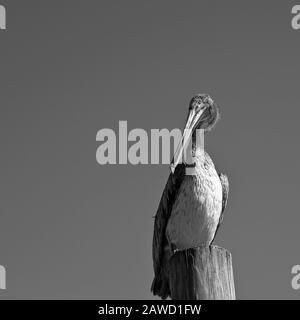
{"x":70,"y":228}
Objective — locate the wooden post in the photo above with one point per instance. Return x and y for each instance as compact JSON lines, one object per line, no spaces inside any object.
{"x":203,"y":273}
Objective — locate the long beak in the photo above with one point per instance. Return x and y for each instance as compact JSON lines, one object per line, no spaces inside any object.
{"x":191,"y":123}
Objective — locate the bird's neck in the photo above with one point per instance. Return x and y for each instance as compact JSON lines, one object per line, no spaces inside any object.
{"x":197,"y":142}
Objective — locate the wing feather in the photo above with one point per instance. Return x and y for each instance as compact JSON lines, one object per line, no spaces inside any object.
{"x":225,"y":192}
{"x":160,"y":285}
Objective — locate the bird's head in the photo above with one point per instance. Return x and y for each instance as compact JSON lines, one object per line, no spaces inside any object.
{"x":203,"y":114}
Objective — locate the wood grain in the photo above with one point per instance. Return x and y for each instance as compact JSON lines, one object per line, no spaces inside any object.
{"x":203,"y":273}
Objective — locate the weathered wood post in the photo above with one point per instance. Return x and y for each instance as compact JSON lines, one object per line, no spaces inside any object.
{"x":203,"y":273}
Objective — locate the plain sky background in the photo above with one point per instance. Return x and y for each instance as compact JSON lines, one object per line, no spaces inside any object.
{"x":70,"y":228}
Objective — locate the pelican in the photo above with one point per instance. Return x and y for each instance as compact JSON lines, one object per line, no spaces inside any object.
{"x":192,"y":206}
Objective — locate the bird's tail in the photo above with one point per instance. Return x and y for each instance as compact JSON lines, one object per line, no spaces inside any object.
{"x":160,"y":286}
